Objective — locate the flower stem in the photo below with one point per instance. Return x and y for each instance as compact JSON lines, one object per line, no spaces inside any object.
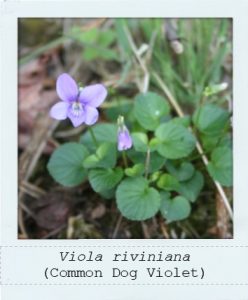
{"x":147,"y":162}
{"x":93,"y":137}
{"x":124,"y":157}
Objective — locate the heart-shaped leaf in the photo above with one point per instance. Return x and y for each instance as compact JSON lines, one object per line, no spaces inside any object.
{"x":175,"y":209}
{"x":136,"y":170}
{"x":121,"y":106}
{"x":108,"y":194}
{"x":183,"y":172}
{"x":168,"y":182}
{"x":103,"y":133}
{"x":184,"y":121}
{"x":175,"y":141}
{"x":105,"y":179}
{"x":220,"y":166}
{"x":140,"y":141}
{"x":153,"y":144}
{"x":105,"y":157}
{"x":136,"y":200}
{"x":191,"y":188}
{"x":210,"y":142}
{"x":66,"y":164}
{"x":149,"y":108}
{"x":211,"y":119}
{"x":156,"y":160}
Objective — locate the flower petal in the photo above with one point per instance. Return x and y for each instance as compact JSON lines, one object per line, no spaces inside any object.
{"x":59,"y":111}
{"x":91,"y":115}
{"x":124,"y":140}
{"x":93,"y":95}
{"x":76,"y":119}
{"x":66,"y":87}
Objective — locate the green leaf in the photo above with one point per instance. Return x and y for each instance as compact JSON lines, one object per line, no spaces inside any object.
{"x":210,"y":142}
{"x":84,"y":37}
{"x":220,"y":166}
{"x":153,"y":144}
{"x":175,"y":209}
{"x":211,"y":119}
{"x":226,"y":141}
{"x":123,"y":41}
{"x":140,"y":141}
{"x":103,"y":132}
{"x":184,"y":172}
{"x":108,"y":194}
{"x":175,"y":141}
{"x":96,"y":43}
{"x":168,"y":183}
{"x":105,"y":157}
{"x":155,"y":176}
{"x":66,"y":164}
{"x":105,"y":179}
{"x":91,"y":53}
{"x":184,"y":121}
{"x":136,"y":200}
{"x":191,"y":188}
{"x":106,"y":37}
{"x":156,"y":160}
{"x":149,"y":108}
{"x":136,"y":170}
{"x":122,"y":106}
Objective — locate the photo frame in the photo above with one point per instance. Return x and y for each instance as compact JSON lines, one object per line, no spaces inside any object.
{"x":134,"y":268}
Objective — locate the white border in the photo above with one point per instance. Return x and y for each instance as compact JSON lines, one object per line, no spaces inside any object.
{"x":10,"y":11}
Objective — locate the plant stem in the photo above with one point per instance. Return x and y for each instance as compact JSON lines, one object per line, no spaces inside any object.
{"x":147,"y":162}
{"x":93,"y":137}
{"x":124,"y":157}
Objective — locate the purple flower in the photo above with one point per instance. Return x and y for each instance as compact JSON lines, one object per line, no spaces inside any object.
{"x":78,"y":104}
{"x":124,"y":139}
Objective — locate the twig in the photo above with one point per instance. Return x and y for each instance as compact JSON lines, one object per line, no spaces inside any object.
{"x":164,"y":230}
{"x":148,"y":55}
{"x":29,"y":158}
{"x":27,"y":210}
{"x":34,"y":188}
{"x":117,"y":226}
{"x":173,"y":38}
{"x":70,"y":132}
{"x":54,"y":232}
{"x":139,"y":59}
{"x":21,"y":221}
{"x":41,"y":134}
{"x":174,"y":234}
{"x":167,"y":92}
{"x":190,"y":229}
{"x":53,"y":142}
{"x":29,"y":192}
{"x":145,"y":230}
{"x":179,"y":111}
{"x":222,"y":224}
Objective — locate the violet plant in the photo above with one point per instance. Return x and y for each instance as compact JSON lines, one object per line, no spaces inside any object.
{"x":146,"y":164}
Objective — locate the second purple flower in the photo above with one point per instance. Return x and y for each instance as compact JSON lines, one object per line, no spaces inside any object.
{"x":78,"y":104}
{"x":124,"y":139}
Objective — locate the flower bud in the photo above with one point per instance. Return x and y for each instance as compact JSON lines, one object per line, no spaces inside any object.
{"x":124,"y":139}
